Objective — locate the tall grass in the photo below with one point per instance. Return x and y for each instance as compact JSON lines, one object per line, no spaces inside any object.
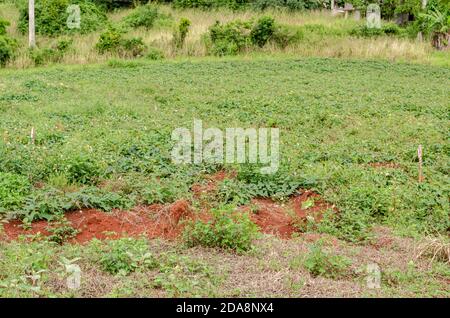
{"x":160,"y":37}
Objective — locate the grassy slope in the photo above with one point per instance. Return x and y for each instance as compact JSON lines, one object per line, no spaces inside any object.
{"x":335,"y":117}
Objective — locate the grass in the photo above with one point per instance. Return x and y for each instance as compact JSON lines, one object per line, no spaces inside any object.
{"x":97,"y":126}
{"x":37,"y":269}
{"x":350,"y":122}
{"x":336,"y":42}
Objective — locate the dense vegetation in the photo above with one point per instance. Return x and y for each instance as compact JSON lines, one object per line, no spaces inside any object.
{"x":87,"y":138}
{"x":98,"y":137}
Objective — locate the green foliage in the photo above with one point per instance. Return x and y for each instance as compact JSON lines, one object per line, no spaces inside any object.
{"x":115,"y":4}
{"x":3,"y":25}
{"x":292,"y":5}
{"x":203,"y":4}
{"x":228,"y":229}
{"x":183,"y":276}
{"x":236,"y":36}
{"x":13,"y":190}
{"x":230,"y":38}
{"x":51,"y":17}
{"x":262,"y":31}
{"x":61,"y":231}
{"x":125,"y":255}
{"x":7,"y":49}
{"x":387,"y":29}
{"x":142,"y":16}
{"x":112,"y":41}
{"x":181,"y":31}
{"x":42,"y":56}
{"x":164,"y":191}
{"x":155,"y":54}
{"x":321,"y":263}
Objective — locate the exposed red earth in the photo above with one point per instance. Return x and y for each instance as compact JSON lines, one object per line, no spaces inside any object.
{"x":165,"y":221}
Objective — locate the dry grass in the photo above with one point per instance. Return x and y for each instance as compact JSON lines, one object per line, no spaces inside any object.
{"x":435,"y":248}
{"x":160,"y":37}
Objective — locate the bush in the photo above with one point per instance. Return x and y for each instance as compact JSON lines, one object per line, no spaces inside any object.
{"x":112,"y":41}
{"x":230,"y":38}
{"x":203,"y":4}
{"x":125,"y":255}
{"x":228,"y":229}
{"x":320,"y":263}
{"x":7,"y":49}
{"x":132,"y":47}
{"x":181,"y":32}
{"x":143,"y":16}
{"x":293,"y":5}
{"x":155,"y":54}
{"x":114,"y":4}
{"x":13,"y":190}
{"x":109,"y":40}
{"x":3,"y":25}
{"x":262,"y":31}
{"x":51,"y":17}
{"x":51,"y":54}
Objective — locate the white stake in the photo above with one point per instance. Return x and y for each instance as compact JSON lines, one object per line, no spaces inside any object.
{"x":33,"y":135}
{"x":419,"y":154}
{"x":31,"y":26}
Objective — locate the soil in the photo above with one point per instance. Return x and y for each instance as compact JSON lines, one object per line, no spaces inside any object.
{"x":166,"y":221}
{"x":286,"y":219}
{"x":152,"y":221}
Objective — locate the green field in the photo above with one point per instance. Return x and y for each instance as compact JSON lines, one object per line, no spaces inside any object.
{"x":349,"y":130}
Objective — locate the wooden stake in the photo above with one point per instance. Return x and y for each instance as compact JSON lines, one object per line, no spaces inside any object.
{"x":33,"y":135}
{"x":31,"y":25}
{"x":419,"y":154}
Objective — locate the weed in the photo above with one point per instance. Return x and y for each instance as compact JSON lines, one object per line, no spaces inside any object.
{"x":321,"y":263}
{"x":125,"y":255}
{"x":228,"y":229}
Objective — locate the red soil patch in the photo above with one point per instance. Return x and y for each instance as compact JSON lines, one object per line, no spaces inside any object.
{"x":165,"y":221}
{"x":285,"y":220}
{"x":152,"y":221}
{"x":211,"y":183}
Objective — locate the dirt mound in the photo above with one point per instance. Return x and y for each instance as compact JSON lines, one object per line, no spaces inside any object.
{"x":286,"y":219}
{"x":152,"y":221}
{"x":281,"y":219}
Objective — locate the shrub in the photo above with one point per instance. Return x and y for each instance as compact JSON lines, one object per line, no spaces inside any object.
{"x":181,"y":32}
{"x":293,"y":5}
{"x":262,"y":31}
{"x":51,"y":54}
{"x":7,"y":49}
{"x":109,"y":40}
{"x":155,"y":54}
{"x":230,"y":38}
{"x":132,"y":47}
{"x":320,"y":263}
{"x":61,"y":231}
{"x":228,"y":229}
{"x":3,"y":25}
{"x":114,"y":4}
{"x":13,"y":190}
{"x":143,"y":16}
{"x":204,"y":4}
{"x":51,"y":17}
{"x":125,"y":255}
{"x":112,"y":41}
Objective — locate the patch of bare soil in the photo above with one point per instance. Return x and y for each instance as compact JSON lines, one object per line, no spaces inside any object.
{"x":152,"y":221}
{"x":286,"y":219}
